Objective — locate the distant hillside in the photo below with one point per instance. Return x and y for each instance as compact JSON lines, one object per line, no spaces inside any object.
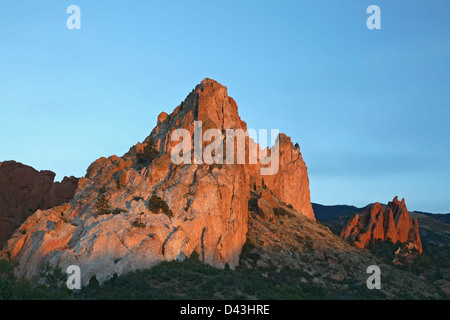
{"x":327,"y":213}
{"x":323,"y":212}
{"x":443,"y":217}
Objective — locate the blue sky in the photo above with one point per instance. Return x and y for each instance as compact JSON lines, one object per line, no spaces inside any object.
{"x":369,"y":108}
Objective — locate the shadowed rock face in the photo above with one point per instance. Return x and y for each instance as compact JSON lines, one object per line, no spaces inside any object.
{"x":393,"y":222}
{"x":23,"y":190}
{"x":209,"y":202}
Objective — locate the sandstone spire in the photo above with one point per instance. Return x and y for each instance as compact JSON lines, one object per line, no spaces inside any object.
{"x":393,"y":223}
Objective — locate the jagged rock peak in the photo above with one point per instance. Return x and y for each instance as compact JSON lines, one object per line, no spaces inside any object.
{"x":377,"y":223}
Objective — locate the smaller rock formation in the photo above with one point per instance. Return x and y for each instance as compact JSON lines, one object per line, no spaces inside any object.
{"x":291,"y":183}
{"x":393,"y":223}
{"x":23,"y":190}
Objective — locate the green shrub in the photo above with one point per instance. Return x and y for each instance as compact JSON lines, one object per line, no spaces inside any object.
{"x":102,"y":205}
{"x":158,"y":205}
{"x":149,"y":153}
{"x":93,"y":285}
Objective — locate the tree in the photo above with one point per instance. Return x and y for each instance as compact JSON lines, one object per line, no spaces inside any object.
{"x":53,"y":277}
{"x":149,"y":153}
{"x":138,"y":221}
{"x":102,"y":205}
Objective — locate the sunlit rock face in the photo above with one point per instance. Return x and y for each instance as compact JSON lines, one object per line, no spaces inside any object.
{"x":23,"y":190}
{"x":291,"y":183}
{"x":393,"y":223}
{"x":208,"y":203}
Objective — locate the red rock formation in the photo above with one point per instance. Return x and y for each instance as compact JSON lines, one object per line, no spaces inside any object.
{"x":209,"y":202}
{"x":393,"y":223}
{"x":23,"y":190}
{"x":209,"y":102}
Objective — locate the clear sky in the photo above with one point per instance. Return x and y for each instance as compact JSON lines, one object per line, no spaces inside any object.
{"x":369,"y":108}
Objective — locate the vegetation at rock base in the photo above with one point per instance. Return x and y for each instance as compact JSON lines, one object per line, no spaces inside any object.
{"x":190,"y":279}
{"x":118,"y":211}
{"x":93,"y":285}
{"x":383,"y":249}
{"x":51,"y":288}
